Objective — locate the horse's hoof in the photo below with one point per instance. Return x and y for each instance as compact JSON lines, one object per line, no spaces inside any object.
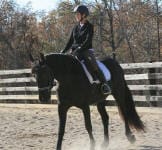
{"x":131,"y":138}
{"x":92,"y":147}
{"x":104,"y":145}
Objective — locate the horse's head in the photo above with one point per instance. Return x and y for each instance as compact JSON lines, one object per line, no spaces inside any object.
{"x":44,"y":78}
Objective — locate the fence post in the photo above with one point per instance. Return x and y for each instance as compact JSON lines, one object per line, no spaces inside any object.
{"x":152,"y":82}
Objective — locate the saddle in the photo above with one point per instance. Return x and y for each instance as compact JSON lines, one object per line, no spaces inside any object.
{"x":102,"y":67}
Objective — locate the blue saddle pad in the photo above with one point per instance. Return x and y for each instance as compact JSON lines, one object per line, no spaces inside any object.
{"x":103,"y":68}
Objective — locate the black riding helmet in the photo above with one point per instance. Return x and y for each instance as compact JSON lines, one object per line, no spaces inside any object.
{"x":82,"y":9}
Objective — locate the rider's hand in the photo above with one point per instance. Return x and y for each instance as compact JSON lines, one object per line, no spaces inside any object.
{"x":62,"y":51}
{"x":76,"y":51}
{"x":69,"y":51}
{"x":66,"y":52}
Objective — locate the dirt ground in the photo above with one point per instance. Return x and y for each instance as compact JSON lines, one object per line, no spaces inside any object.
{"x":35,"y":127}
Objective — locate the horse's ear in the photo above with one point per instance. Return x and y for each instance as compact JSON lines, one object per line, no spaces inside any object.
{"x":31,"y":57}
{"x":42,"y":57}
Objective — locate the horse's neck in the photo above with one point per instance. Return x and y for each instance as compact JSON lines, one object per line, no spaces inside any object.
{"x":58,"y":72}
{"x":63,"y":67}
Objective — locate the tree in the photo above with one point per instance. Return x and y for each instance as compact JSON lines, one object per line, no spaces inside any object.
{"x":17,"y":30}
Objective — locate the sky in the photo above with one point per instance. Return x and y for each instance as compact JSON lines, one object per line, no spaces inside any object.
{"x":45,"y":5}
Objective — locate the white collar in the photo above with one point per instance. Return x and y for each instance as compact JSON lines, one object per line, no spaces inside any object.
{"x":81,"y":25}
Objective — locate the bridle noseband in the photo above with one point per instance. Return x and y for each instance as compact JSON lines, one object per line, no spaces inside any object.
{"x":50,"y":86}
{"x":45,"y":88}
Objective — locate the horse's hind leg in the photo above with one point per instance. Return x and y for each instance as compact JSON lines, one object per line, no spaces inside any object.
{"x":88,"y":125}
{"x":105,"y":120}
{"x":62,"y":111}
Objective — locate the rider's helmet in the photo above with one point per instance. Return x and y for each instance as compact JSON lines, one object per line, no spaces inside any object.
{"x":82,"y":9}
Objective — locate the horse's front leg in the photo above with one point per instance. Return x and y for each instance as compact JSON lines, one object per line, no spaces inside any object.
{"x":62,"y":112}
{"x":88,"y":125}
{"x":105,"y":120}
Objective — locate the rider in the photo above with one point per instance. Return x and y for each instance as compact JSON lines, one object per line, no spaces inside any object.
{"x":80,"y":45}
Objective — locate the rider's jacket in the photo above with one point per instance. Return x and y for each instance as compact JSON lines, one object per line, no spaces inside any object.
{"x":80,"y":38}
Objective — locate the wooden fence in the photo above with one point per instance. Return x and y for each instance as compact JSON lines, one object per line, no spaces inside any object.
{"x":144,"y":80}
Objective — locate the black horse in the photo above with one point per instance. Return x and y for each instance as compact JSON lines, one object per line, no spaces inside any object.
{"x":75,"y":90}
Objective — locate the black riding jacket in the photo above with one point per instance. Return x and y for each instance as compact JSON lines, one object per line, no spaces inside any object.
{"x":80,"y":38}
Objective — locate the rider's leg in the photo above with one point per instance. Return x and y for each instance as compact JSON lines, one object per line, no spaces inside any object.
{"x":93,"y":67}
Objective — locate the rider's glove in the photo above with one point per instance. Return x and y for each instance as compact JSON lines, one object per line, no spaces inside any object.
{"x":76,"y":51}
{"x":62,"y":51}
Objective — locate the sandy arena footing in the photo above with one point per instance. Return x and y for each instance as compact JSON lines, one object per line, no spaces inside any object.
{"x":35,"y":127}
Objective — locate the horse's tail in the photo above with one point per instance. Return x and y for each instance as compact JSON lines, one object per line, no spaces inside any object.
{"x":128,"y":111}
{"x":123,"y":95}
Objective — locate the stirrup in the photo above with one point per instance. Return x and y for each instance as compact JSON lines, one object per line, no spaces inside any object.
{"x":105,"y":89}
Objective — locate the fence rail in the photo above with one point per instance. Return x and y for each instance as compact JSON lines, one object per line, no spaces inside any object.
{"x":19,"y":85}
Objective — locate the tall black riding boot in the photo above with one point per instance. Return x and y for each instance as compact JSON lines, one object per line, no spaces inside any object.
{"x":105,"y":88}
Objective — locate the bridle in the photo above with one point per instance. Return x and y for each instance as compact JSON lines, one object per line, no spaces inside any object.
{"x":45,"y":88}
{"x":50,"y":86}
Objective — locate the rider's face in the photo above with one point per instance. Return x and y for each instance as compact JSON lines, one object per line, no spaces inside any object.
{"x":78,"y":16}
